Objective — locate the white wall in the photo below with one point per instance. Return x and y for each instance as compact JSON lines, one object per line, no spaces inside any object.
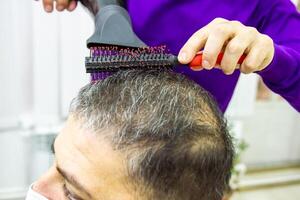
{"x":273,"y":135}
{"x":16,"y":93}
{"x":41,"y":70}
{"x":270,"y":128}
{"x":59,"y":51}
{"x":42,"y":62}
{"x":15,"y":62}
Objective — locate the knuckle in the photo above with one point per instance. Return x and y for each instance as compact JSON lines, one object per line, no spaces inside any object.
{"x":219,"y":20}
{"x":221,"y":29}
{"x":252,"y":30}
{"x":266,"y":40}
{"x":250,"y":66}
{"x":234,"y":48}
{"x":200,"y":34}
{"x":236,"y":23}
{"x":208,"y":55}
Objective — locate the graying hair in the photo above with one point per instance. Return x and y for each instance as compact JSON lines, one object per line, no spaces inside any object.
{"x":176,"y":136}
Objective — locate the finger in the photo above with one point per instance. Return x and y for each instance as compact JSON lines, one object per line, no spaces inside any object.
{"x":197,"y":68}
{"x":268,"y":44}
{"x":214,"y":44}
{"x":48,"y":5}
{"x":217,"y":20}
{"x":192,"y":46}
{"x":72,"y":5}
{"x":266,"y":61}
{"x":254,"y":59}
{"x":233,"y":51}
{"x":61,"y":4}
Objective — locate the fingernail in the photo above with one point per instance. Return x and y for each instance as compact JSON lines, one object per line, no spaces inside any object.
{"x":48,"y":8}
{"x":182,"y":56}
{"x":206,"y":64}
{"x":60,"y":8}
{"x":199,"y":68}
{"x":72,"y":6}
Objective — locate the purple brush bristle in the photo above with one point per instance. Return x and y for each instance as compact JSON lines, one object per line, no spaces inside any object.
{"x":107,"y":51}
{"x":98,"y":52}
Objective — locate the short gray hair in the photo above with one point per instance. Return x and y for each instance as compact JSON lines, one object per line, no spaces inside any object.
{"x":176,"y":135}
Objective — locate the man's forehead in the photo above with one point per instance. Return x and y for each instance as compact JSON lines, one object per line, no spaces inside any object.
{"x":89,"y":143}
{"x":91,"y":157}
{"x":98,"y":152}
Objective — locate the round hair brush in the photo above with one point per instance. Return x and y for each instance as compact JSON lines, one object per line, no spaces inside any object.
{"x":112,"y":59}
{"x":114,"y":46}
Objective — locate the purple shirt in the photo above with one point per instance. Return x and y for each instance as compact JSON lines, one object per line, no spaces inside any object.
{"x":172,"y":22}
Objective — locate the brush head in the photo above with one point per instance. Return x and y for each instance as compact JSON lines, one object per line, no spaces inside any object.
{"x":105,"y":60}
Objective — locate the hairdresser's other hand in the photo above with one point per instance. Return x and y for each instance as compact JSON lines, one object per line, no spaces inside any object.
{"x":234,"y":39}
{"x":60,"y":5}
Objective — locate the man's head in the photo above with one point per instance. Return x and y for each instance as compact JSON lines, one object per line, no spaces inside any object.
{"x":141,"y":136}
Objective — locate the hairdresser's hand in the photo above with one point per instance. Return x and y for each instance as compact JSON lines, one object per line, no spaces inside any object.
{"x":60,"y":5}
{"x":234,"y":39}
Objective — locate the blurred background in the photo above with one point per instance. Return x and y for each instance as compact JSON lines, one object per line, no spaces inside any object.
{"x":42,"y":68}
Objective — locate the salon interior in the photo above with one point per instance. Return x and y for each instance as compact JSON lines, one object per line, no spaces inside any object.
{"x":39,"y":77}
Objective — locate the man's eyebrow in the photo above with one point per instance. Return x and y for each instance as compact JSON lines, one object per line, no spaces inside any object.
{"x":72,"y":180}
{"x":52,"y":146}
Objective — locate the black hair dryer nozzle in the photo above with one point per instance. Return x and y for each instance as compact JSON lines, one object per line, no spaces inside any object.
{"x":112,"y":24}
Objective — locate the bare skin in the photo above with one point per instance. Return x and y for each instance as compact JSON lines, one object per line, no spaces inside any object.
{"x":231,"y":37}
{"x":234,"y":39}
{"x":94,"y":169}
{"x":60,"y":5}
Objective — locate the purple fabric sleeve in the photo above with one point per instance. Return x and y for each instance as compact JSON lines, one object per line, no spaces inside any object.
{"x":283,"y":75}
{"x":282,"y":24}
